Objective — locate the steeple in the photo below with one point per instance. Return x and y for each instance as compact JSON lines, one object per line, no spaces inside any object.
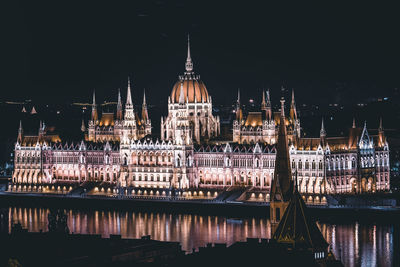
{"x":128,"y":95}
{"x":239,"y":113}
{"x":189,"y":63}
{"x":293,"y":112}
{"x":83,"y":127}
{"x":281,"y":190}
{"x":298,"y":230}
{"x":20,"y":132}
{"x":322,"y":132}
{"x":94,"y":109}
{"x":354,"y":123}
{"x":145,"y":115}
{"x":129,"y":113}
{"x":263,"y":104}
{"x":119,"y":106}
{"x":282,"y":172}
{"x":269,"y":108}
{"x":381,"y":134}
{"x":33,"y":111}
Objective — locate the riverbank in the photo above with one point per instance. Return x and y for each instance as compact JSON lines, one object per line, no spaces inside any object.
{"x":209,"y":207}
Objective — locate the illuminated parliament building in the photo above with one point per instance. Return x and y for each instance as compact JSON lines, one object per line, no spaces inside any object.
{"x":120,"y":152}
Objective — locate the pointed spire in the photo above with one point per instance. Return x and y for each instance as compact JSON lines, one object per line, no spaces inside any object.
{"x":94,"y":108}
{"x":33,"y":111}
{"x":354,"y":123}
{"x":144,"y":96}
{"x":119,"y":106}
{"x":239,"y":113}
{"x":381,"y":135}
{"x":145,"y":116}
{"x":268,"y":106}
{"x":128,"y":94}
{"x":293,"y":101}
{"x":322,"y":132}
{"x":94,"y":98}
{"x":23,"y":109}
{"x":189,"y":63}
{"x":283,"y":172}
{"x":83,"y":127}
{"x":263,"y":104}
{"x":268,"y":98}
{"x":293,"y":111}
{"x":297,"y":228}
{"x":181,"y":95}
{"x":20,"y":132}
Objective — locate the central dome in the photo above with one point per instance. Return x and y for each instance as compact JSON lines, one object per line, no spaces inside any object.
{"x":190,"y":85}
{"x":194,"y":90}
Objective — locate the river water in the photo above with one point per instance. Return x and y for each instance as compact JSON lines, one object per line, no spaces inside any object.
{"x":355,"y":243}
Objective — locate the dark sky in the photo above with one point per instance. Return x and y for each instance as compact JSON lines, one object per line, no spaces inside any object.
{"x":61,"y":50}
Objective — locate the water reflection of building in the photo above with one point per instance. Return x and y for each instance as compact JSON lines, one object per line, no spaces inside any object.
{"x":191,"y":153}
{"x":4,"y":220}
{"x":194,"y":231}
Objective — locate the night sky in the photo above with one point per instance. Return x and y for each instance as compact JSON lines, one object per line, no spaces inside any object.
{"x":60,"y":51}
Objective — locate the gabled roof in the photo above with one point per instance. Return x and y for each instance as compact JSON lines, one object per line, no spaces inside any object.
{"x":298,"y":229}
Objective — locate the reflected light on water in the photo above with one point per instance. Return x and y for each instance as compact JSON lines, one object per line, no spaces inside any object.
{"x":355,"y":244}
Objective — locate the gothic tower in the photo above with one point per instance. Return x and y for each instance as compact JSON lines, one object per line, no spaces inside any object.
{"x":129,"y":127}
{"x":282,"y":184}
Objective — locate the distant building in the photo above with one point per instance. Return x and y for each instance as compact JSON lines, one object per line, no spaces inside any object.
{"x":119,"y":150}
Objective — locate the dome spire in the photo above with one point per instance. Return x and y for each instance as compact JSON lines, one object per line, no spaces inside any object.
{"x":189,"y":63}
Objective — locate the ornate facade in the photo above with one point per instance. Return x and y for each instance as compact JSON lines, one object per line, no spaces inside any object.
{"x":262,"y":126}
{"x":112,"y":127}
{"x":190,"y":117}
{"x":119,"y":151}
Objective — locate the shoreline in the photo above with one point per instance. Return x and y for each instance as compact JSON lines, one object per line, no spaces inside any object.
{"x":229,"y":209}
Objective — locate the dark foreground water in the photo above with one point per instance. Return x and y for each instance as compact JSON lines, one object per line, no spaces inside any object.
{"x":357,"y":244}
